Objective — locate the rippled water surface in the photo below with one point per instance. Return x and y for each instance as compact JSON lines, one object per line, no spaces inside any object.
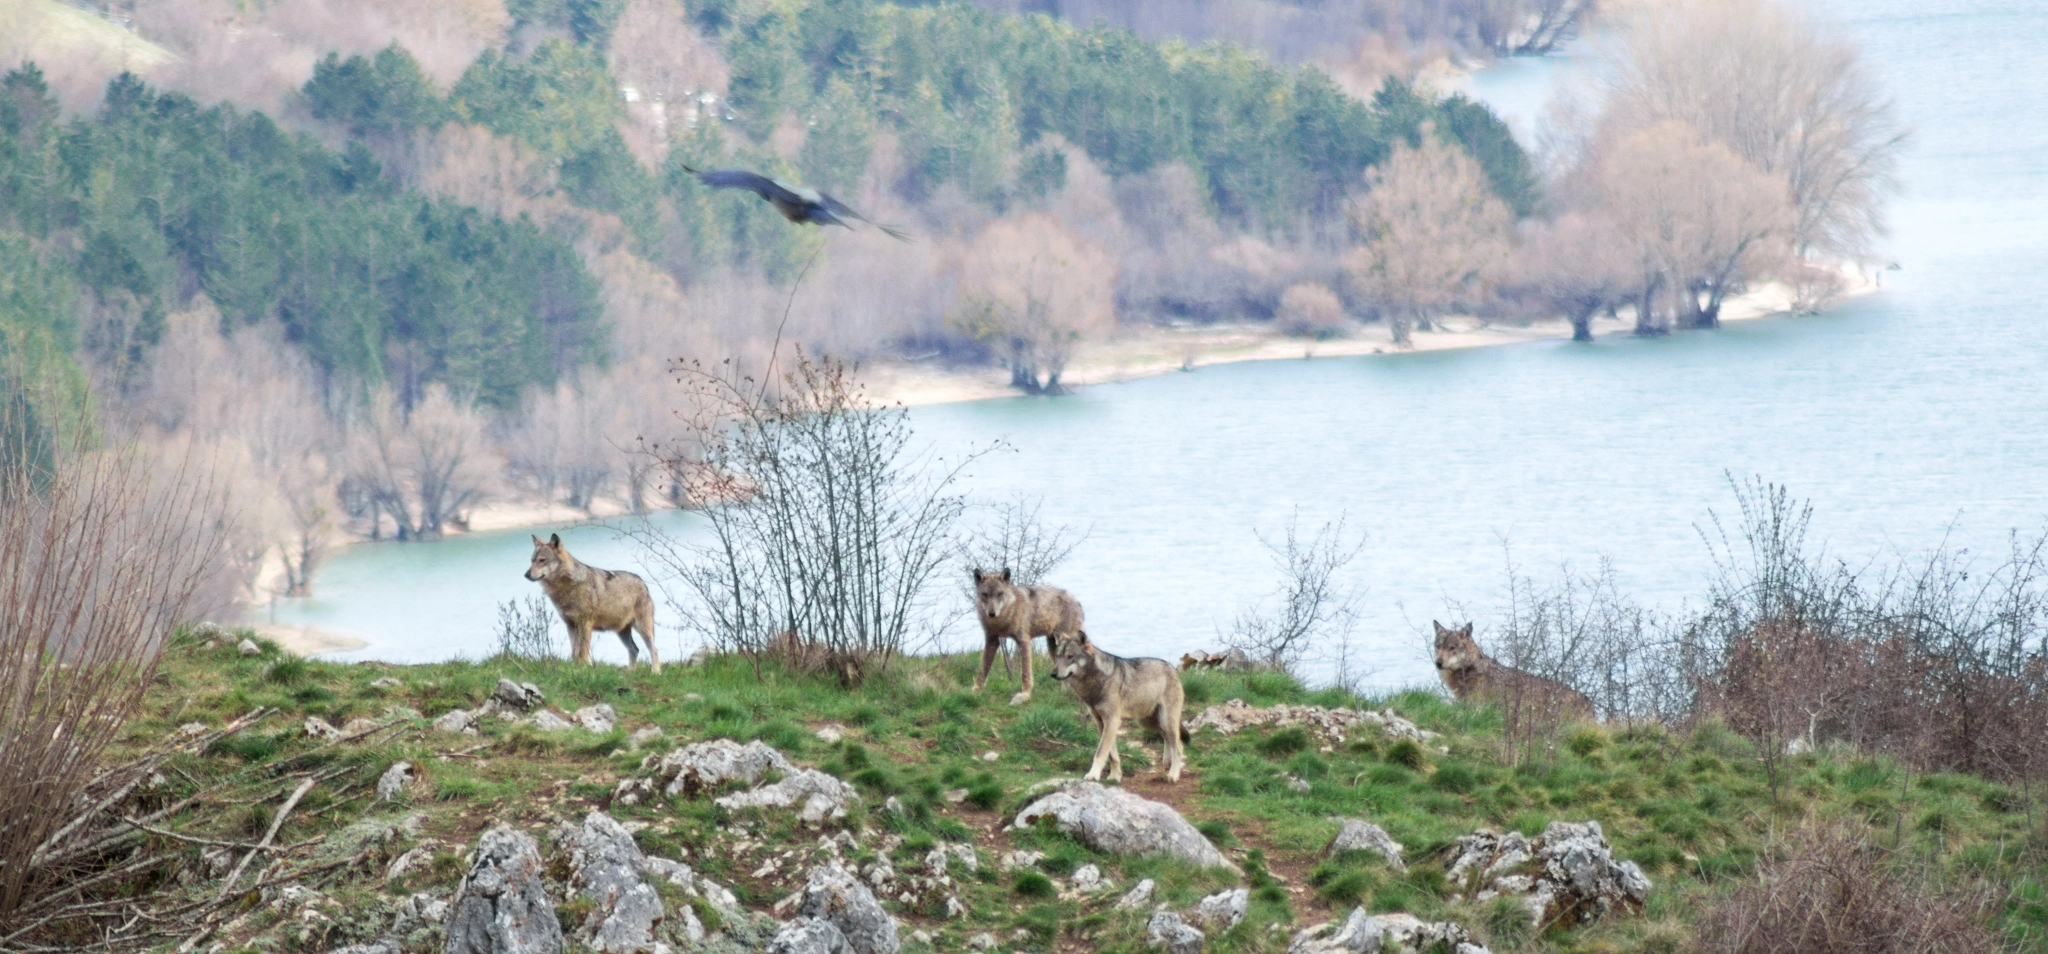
{"x":1906,"y":415}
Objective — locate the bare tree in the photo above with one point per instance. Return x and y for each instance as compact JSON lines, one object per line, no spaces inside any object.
{"x":562,"y":445}
{"x":1311,"y":602}
{"x":1036,"y":289}
{"x":422,"y":469}
{"x":1519,"y":27}
{"x":1787,"y":96}
{"x":1433,"y":234}
{"x":1697,"y":220}
{"x":826,"y":527}
{"x":1575,"y":266}
{"x":1017,"y":539}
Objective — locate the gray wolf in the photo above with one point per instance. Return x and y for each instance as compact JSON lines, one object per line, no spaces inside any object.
{"x":588,"y":598}
{"x":1472,"y":675}
{"x":1009,"y":611}
{"x":1113,"y":687}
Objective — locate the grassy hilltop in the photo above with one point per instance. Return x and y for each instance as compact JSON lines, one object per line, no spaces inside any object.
{"x":1693,"y":809}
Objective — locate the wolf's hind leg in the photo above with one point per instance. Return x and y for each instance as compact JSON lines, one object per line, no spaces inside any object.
{"x":1024,"y":695}
{"x":632,"y":648}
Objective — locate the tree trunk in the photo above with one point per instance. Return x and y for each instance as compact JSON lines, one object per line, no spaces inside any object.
{"x":1398,"y":324}
{"x":1582,"y":323}
{"x":1646,"y":310}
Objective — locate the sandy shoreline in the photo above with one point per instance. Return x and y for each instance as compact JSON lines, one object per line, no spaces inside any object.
{"x":1143,"y":352}
{"x":305,"y":640}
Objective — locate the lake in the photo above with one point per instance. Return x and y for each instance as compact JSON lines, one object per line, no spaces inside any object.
{"x":1909,"y":416}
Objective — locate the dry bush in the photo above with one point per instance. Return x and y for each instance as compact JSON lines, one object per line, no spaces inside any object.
{"x":1825,"y":888}
{"x":824,"y":522}
{"x":1035,"y":290}
{"x":1312,"y":604}
{"x":1311,"y":310}
{"x":1016,"y":539}
{"x":106,"y":553}
{"x":1787,"y":95}
{"x":1433,"y":234}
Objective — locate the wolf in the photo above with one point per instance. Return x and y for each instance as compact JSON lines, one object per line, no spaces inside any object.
{"x":1472,"y":675}
{"x":1009,"y":611}
{"x":1113,"y":687}
{"x":592,"y":599}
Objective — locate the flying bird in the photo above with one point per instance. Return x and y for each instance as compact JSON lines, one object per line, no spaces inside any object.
{"x":797,"y":203}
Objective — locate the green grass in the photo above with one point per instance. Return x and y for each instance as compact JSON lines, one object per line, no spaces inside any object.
{"x":1692,"y":808}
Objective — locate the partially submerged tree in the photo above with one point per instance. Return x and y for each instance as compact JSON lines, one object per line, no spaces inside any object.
{"x":1034,"y":289}
{"x":1696,"y":220}
{"x":423,"y":469}
{"x":1433,"y":233}
{"x":1574,"y":265}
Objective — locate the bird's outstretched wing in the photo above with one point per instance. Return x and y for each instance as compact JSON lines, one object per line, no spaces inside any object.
{"x":841,"y":209}
{"x":754,"y":182}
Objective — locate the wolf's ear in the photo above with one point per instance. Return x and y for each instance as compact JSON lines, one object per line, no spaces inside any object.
{"x":555,"y":540}
{"x":1466,"y":631}
{"x":1440,"y":630}
{"x":1006,"y":574}
{"x":536,"y":539}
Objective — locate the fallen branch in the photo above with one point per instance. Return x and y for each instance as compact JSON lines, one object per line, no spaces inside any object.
{"x":268,"y":836}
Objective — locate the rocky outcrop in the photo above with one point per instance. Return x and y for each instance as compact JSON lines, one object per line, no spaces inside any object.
{"x":707,"y":766}
{"x":808,"y":936}
{"x":1565,"y":876}
{"x":510,"y":700}
{"x":1356,"y":835}
{"x":1177,"y":936}
{"x":1234,"y":716}
{"x":502,"y":906}
{"x":817,"y":796}
{"x":605,"y":868}
{"x":547,"y":720}
{"x":456,"y":720}
{"x":1138,"y":896}
{"x":833,"y":894}
{"x":1222,"y":911}
{"x":1397,"y":933}
{"x":394,"y":781}
{"x":1120,"y":822}
{"x":599,"y":718}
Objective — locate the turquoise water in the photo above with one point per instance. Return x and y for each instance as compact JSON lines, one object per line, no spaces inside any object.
{"x":1909,"y":416}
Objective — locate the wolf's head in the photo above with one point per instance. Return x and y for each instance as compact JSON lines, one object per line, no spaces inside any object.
{"x":548,"y":558}
{"x":1455,"y":648}
{"x":993,"y":593}
{"x":1073,"y":655}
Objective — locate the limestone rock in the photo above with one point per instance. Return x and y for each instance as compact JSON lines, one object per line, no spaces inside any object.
{"x":358,"y":726}
{"x":1177,"y":936}
{"x":808,"y":936}
{"x":1121,"y":822}
{"x":416,"y":859}
{"x":394,"y":781}
{"x":319,"y":728}
{"x":831,"y":732}
{"x":1565,"y":876}
{"x":599,"y":718}
{"x":248,"y":647}
{"x":510,"y":700}
{"x":1222,"y":911}
{"x":547,"y":720}
{"x":1139,"y":896}
{"x":502,"y":906}
{"x":1356,"y":835}
{"x":456,"y":720}
{"x":1396,"y":933}
{"x":605,"y":869}
{"x":833,"y":894}
{"x":643,"y":735}
{"x":1233,"y":716}
{"x":817,"y":796}
{"x":387,"y":682}
{"x":1089,"y":878}
{"x":706,"y":766}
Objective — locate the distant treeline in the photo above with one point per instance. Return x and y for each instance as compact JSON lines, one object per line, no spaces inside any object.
{"x":156,"y":198}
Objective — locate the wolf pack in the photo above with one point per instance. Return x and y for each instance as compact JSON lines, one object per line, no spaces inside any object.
{"x":1112,"y":688}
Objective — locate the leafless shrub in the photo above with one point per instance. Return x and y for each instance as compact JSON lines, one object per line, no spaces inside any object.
{"x":1016,"y":538}
{"x":1311,"y":604}
{"x":526,"y":629}
{"x":107,"y":550}
{"x":1825,"y":887}
{"x":824,"y":523}
{"x":1311,"y":310}
{"x":1581,"y":630}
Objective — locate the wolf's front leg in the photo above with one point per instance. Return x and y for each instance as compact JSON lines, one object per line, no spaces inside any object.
{"x":1024,"y":695}
{"x":989,"y":647}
